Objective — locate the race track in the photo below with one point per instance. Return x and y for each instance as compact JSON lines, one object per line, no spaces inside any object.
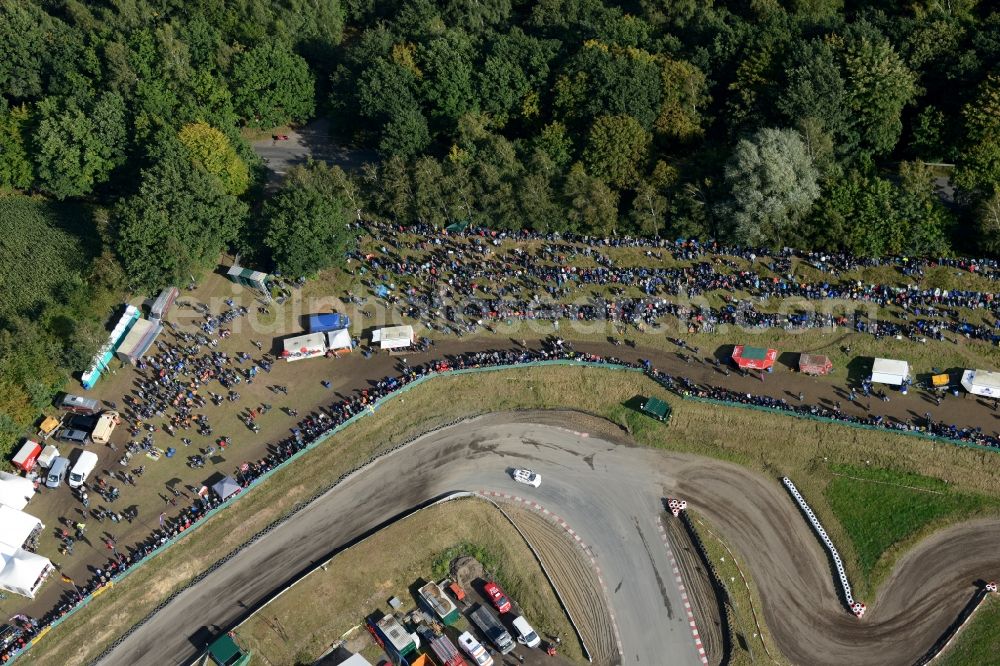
{"x":611,"y":494}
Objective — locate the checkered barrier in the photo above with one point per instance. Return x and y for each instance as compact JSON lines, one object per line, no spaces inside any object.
{"x":855,"y":607}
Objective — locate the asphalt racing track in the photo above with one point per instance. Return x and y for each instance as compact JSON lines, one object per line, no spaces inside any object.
{"x":611,"y":493}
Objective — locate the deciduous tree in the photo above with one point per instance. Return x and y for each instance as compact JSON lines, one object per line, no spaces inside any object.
{"x":272,"y":86}
{"x":772,"y":184}
{"x":617,"y":149}
{"x":211,"y":152}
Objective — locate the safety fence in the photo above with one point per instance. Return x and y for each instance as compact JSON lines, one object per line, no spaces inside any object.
{"x":718,"y":588}
{"x":855,"y":607}
{"x":371,"y":409}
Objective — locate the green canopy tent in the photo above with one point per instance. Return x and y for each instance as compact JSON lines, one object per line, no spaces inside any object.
{"x":225,"y":652}
{"x":656,"y":408}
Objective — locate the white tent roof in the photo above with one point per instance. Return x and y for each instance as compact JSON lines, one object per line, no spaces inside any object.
{"x":339,"y":339}
{"x":393,"y":337}
{"x":16,"y":526}
{"x":982,"y":382}
{"x":22,"y":571}
{"x":890,"y":371}
{"x":304,"y":346}
{"x":15,"y":491}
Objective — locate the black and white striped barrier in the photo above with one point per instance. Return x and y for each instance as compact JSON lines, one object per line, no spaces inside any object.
{"x":856,"y":607}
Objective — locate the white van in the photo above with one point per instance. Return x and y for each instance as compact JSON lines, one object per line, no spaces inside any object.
{"x":84,"y":466}
{"x":476,"y":652}
{"x":525,"y":634}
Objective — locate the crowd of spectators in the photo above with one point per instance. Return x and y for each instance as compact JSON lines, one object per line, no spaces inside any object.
{"x":472,"y":279}
{"x":323,"y":422}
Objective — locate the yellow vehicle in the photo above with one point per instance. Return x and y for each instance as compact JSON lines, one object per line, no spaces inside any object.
{"x":47,"y":427}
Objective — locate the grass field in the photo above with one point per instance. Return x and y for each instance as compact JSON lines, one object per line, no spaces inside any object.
{"x":44,"y":245}
{"x":977,"y":644}
{"x":881,"y":509}
{"x":751,"y":640}
{"x":774,"y":445}
{"x":331,"y":602}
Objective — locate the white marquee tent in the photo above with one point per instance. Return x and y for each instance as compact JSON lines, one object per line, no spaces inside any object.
{"x":982,"y":382}
{"x":393,"y":337}
{"x":890,"y":371}
{"x":339,"y":340}
{"x":309,"y":345}
{"x":22,"y":572}
{"x":15,"y":527}
{"x":15,"y":491}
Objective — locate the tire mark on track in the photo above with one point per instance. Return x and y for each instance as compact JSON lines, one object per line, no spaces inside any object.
{"x":656,"y":572}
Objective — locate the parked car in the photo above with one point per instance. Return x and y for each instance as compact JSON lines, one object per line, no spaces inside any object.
{"x":525,"y":634}
{"x":56,"y":473}
{"x":82,"y":422}
{"x":526,"y":476}
{"x":73,"y":436}
{"x":497,"y":597}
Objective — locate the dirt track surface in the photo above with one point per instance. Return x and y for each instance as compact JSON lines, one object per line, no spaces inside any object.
{"x":610,"y":493}
{"x":700,"y":590}
{"x":576,"y":581}
{"x":921,"y":598}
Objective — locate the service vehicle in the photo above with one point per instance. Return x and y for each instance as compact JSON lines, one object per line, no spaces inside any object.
{"x":527,"y":477}
{"x":47,"y":427}
{"x":490,"y":625}
{"x":105,"y":426}
{"x":27,"y":455}
{"x":497,"y":597}
{"x":49,"y":454}
{"x":525,"y":634}
{"x":85,"y":464}
{"x":477,"y":653}
{"x":81,"y":422}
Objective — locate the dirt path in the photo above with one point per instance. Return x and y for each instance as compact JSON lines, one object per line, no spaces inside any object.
{"x":575,"y":580}
{"x":698,"y":584}
{"x":923,"y":595}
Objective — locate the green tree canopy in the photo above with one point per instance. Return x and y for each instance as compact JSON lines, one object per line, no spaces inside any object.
{"x":211,"y":152}
{"x":178,"y":222}
{"x":307,"y":228}
{"x":772,"y":184}
{"x":879,"y":85}
{"x":77,"y":148}
{"x":617,"y":149}
{"x":272,"y":86}
{"x":685,"y":93}
{"x":592,"y":204}
{"x":16,"y":169}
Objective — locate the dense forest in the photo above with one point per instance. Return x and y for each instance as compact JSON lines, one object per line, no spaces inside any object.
{"x":871,"y":126}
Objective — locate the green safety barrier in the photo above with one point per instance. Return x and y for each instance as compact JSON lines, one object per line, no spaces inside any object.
{"x":417,"y":382}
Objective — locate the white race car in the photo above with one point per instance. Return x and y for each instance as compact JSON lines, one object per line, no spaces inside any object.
{"x":528,"y":477}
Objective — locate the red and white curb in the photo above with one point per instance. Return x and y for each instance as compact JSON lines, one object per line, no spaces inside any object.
{"x":531,"y":504}
{"x":684,"y":597}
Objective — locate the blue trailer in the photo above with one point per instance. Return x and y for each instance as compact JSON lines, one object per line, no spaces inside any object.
{"x":331,"y":321}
